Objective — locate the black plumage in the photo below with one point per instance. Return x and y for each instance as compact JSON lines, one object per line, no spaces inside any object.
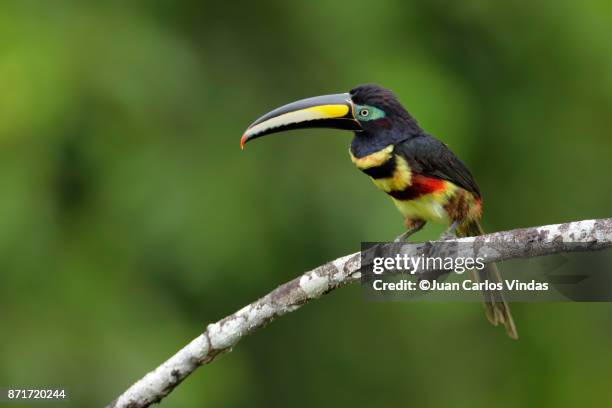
{"x":425,"y":154}
{"x":432,"y":158}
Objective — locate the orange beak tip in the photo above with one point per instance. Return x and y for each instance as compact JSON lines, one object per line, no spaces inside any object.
{"x":243,"y":141}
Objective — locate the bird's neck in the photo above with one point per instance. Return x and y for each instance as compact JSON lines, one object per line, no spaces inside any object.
{"x":373,"y":154}
{"x":366,"y":143}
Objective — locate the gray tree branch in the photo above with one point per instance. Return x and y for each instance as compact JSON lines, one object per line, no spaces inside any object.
{"x":221,"y":336}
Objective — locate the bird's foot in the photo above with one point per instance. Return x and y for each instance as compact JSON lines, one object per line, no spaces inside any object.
{"x":403,"y":237}
{"x":451,"y":232}
{"x":412,"y":227}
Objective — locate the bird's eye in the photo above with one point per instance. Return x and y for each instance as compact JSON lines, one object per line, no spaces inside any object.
{"x":364,"y":112}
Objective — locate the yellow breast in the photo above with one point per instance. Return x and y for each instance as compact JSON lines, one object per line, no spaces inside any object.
{"x":372,"y":160}
{"x":399,"y":180}
{"x":429,"y":207}
{"x":401,"y":175}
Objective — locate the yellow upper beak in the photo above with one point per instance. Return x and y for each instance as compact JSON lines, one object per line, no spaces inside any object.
{"x":327,"y":111}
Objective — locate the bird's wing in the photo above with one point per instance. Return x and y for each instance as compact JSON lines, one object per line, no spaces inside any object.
{"x":430,"y":157}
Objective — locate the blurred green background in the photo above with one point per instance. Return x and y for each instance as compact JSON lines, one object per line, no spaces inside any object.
{"x":130,"y":219}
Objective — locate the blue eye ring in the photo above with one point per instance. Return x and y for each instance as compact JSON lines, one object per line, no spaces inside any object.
{"x":366,"y":113}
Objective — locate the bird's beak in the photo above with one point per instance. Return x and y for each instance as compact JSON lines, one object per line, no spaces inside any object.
{"x":327,"y":111}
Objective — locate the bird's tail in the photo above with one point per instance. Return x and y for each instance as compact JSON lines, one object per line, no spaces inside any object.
{"x":496,"y":307}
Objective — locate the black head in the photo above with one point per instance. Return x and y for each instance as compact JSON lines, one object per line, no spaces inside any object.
{"x":388,"y":113}
{"x":382,"y":117}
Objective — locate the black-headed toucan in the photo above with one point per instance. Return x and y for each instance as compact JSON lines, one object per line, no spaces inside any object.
{"x":425,"y":180}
